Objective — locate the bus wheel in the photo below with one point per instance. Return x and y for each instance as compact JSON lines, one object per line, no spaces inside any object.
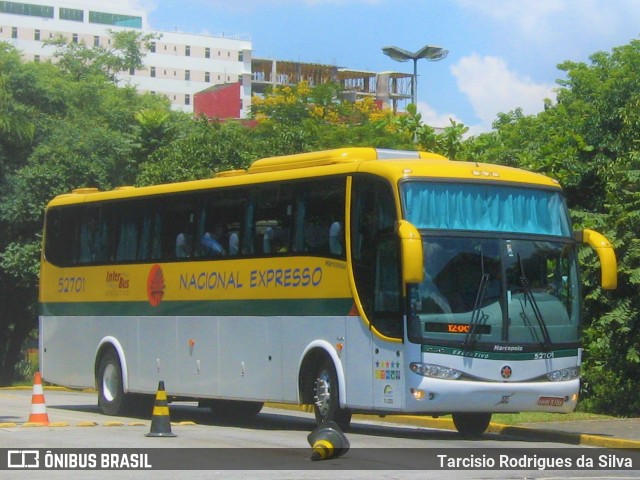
{"x":471,"y":425}
{"x":111,"y":396}
{"x":326,"y":398}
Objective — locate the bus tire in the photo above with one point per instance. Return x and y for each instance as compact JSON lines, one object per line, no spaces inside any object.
{"x":326,"y":397}
{"x":111,"y":397}
{"x":471,"y":425}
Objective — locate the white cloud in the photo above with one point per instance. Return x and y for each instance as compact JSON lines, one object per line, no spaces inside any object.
{"x":492,"y":88}
{"x":556,"y":23}
{"x":529,"y":15}
{"x":434,"y":119}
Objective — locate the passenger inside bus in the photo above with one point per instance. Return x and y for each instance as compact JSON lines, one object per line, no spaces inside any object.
{"x":210,"y":246}
{"x":181,"y":246}
{"x":335,"y":239}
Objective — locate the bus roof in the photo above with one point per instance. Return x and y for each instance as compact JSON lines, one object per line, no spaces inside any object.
{"x":391,"y":164}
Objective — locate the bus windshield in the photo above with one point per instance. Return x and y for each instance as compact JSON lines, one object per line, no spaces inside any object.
{"x":492,"y":291}
{"x":491,"y":276}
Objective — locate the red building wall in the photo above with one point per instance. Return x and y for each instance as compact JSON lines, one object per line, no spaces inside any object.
{"x":220,"y":101}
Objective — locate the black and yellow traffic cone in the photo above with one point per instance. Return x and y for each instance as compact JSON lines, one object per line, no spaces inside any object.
{"x":327,"y":441}
{"x":160,"y":422}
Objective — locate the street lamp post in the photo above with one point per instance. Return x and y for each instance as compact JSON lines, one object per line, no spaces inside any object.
{"x":428,"y":52}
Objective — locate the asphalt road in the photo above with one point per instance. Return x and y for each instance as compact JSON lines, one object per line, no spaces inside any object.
{"x":272,"y":445}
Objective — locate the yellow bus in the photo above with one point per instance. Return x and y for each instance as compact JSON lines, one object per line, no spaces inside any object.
{"x":354,"y":280}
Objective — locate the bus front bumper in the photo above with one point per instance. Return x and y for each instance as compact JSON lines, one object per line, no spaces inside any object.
{"x":446,"y":396}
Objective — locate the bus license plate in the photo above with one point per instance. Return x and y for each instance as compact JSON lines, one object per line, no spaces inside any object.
{"x":551,"y":401}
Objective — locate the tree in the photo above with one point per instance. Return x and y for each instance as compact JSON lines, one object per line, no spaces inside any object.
{"x":200,"y":149}
{"x":126,"y":52}
{"x":57,"y":132}
{"x":608,"y":94}
{"x":589,"y":141}
{"x":300,"y":118}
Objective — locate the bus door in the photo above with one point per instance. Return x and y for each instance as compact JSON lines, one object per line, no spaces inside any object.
{"x":387,"y":325}
{"x":376,"y":265}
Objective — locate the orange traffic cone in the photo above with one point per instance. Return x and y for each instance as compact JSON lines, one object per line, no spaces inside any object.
{"x":38,"y":405}
{"x":160,"y":422}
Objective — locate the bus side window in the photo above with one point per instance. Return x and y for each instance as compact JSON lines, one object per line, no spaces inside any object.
{"x":62,"y":243}
{"x":127,"y":238}
{"x":272,"y":214}
{"x":178,"y":227}
{"x":320,"y":216}
{"x":93,"y":246}
{"x":220,"y":219}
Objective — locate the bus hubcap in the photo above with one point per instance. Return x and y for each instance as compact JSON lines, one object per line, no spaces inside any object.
{"x":323,"y":393}
{"x":109,"y":383}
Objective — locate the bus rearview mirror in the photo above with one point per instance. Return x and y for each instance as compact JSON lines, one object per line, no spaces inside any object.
{"x":411,"y":252}
{"x":606,"y":254}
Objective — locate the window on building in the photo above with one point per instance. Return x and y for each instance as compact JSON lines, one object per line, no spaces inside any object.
{"x":30,"y":10}
{"x":132,"y":71}
{"x":152,"y":47}
{"x":115,"y":19}
{"x":96,"y":41}
{"x":187,"y":74}
{"x":187,"y":50}
{"x":72,"y":14}
{"x":207,"y":52}
{"x":207,"y":77}
{"x":36,"y":35}
{"x":36,"y":58}
{"x":153,"y":71}
{"x":240,"y":56}
{"x":187,"y":99}
{"x":14,"y":32}
{"x":74,"y":38}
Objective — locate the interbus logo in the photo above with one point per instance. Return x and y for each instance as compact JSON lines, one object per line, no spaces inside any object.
{"x":155,"y":285}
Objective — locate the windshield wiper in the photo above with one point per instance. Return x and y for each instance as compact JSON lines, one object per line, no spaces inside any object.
{"x":528,"y":294}
{"x":476,"y":314}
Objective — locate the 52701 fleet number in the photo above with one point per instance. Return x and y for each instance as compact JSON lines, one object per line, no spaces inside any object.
{"x":71,"y":284}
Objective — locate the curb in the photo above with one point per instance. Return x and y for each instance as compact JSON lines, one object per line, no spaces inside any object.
{"x":538,"y":434}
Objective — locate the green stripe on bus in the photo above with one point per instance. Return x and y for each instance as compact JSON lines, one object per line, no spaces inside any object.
{"x":481,"y":355}
{"x":306,"y":307}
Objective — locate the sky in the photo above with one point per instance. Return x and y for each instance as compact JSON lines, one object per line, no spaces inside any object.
{"x":503,"y":54}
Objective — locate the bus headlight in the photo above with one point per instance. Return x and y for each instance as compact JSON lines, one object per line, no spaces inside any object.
{"x":564,"y":374}
{"x":435,"y":371}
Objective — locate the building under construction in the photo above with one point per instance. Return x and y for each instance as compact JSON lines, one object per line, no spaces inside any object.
{"x":390,"y":89}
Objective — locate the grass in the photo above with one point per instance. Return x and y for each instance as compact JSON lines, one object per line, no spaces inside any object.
{"x":539,"y":417}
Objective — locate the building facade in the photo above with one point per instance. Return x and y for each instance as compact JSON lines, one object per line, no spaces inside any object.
{"x":178,"y":66}
{"x":201,"y":74}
